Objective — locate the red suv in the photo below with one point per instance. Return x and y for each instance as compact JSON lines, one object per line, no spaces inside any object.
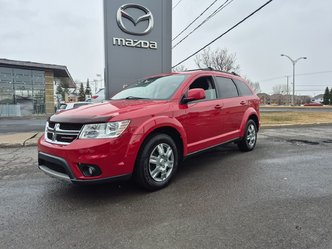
{"x":147,"y":129}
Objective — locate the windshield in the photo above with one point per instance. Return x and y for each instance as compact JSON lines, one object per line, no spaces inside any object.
{"x":161,"y":87}
{"x":62,"y":106}
{"x":80,"y":104}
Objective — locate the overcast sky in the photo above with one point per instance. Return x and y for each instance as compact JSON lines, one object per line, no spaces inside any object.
{"x":70,"y":32}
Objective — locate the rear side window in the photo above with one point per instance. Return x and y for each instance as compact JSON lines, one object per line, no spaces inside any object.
{"x":243,"y":88}
{"x":226,"y":87}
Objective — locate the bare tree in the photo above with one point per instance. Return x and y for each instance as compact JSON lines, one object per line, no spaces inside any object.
{"x":218,"y":59}
{"x":279,"y":89}
{"x":179,"y":68}
{"x":254,"y":85}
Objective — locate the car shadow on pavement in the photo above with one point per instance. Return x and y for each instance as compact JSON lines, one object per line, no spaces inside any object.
{"x":197,"y":165}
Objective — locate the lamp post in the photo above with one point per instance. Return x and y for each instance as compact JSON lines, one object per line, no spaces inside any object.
{"x":288,"y":101}
{"x":293,"y":62}
{"x":100,"y":79}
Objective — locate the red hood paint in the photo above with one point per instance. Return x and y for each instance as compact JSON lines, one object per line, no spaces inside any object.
{"x":103,"y":112}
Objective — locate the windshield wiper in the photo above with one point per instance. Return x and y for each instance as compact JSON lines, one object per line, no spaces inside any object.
{"x":133,"y":97}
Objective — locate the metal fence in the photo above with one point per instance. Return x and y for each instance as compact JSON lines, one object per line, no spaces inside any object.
{"x":9,"y":110}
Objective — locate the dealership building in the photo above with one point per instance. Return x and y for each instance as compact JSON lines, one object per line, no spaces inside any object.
{"x":27,"y":88}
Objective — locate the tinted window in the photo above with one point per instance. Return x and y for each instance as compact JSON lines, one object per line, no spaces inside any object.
{"x":226,"y":87}
{"x":243,"y":88}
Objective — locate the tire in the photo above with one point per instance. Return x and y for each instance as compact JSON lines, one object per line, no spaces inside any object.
{"x":248,"y":142}
{"x":157,"y":162}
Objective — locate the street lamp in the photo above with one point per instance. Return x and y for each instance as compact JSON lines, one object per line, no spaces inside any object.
{"x":293,"y":62}
{"x":100,"y":79}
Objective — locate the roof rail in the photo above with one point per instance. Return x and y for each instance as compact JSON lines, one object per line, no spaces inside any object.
{"x":211,"y":69}
{"x":200,"y":69}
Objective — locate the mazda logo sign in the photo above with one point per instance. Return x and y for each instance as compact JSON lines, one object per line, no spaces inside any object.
{"x":121,"y":14}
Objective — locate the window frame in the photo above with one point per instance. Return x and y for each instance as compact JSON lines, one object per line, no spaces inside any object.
{"x":213,"y":82}
{"x":239,"y":88}
{"x":219,"y":88}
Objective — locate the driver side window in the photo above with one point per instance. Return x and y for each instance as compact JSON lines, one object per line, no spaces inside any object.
{"x":206,"y":83}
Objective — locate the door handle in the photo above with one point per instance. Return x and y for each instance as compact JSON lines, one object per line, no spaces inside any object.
{"x":243,"y":102}
{"x":218,"y":106}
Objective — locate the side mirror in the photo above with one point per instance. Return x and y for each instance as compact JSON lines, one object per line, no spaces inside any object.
{"x":194,"y":94}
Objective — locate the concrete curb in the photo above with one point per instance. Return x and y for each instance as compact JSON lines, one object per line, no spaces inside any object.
{"x":19,"y":139}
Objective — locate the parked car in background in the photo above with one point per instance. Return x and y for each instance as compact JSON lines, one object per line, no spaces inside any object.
{"x":71,"y":105}
{"x":313,"y":104}
{"x":147,"y":129}
{"x":99,"y":96}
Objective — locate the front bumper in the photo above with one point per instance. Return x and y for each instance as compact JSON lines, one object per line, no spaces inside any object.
{"x":55,"y":167}
{"x":49,"y":165}
{"x":114,"y":157}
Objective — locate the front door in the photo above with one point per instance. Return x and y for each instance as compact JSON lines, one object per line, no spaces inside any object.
{"x":201,"y":118}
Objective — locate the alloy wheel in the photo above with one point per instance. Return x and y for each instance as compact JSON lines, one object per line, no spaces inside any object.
{"x":251,"y":135}
{"x":161,"y":162}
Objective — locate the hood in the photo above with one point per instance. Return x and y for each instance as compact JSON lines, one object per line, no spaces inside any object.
{"x":103,"y":112}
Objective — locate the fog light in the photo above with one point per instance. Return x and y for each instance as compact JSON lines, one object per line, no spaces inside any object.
{"x":89,"y":170}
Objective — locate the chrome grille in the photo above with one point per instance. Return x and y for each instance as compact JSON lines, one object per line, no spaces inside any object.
{"x":62,"y":133}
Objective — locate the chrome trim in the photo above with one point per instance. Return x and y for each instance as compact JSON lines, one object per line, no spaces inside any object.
{"x":54,"y":174}
{"x":57,"y":131}
{"x":55,"y":142}
{"x":60,"y":130}
{"x":147,"y":16}
{"x":67,"y":133}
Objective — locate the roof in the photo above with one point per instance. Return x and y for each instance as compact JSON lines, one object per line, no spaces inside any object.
{"x":59,"y":71}
{"x":319,"y":96}
{"x":211,"y":69}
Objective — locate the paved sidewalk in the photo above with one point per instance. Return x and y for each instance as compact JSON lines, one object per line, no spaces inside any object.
{"x":20,"y":139}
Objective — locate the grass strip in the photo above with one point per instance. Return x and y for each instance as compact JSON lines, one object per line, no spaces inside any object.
{"x":275,"y":118}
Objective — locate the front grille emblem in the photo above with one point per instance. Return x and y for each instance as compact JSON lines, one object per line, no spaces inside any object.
{"x":58,"y":133}
{"x":56,"y":128}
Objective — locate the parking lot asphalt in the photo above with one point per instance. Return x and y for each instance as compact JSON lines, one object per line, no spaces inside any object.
{"x":278,"y":196}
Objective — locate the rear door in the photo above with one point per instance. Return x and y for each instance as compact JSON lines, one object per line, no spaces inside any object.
{"x":233,"y":106}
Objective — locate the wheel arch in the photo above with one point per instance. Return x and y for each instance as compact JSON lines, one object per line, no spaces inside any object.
{"x":255,"y":119}
{"x":166,"y":125}
{"x":173,"y":133}
{"x":249,"y":114}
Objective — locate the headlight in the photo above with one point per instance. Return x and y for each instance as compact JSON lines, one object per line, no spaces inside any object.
{"x":104,"y":130}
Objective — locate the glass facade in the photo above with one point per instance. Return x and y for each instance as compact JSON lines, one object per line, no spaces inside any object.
{"x":25,"y":88}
